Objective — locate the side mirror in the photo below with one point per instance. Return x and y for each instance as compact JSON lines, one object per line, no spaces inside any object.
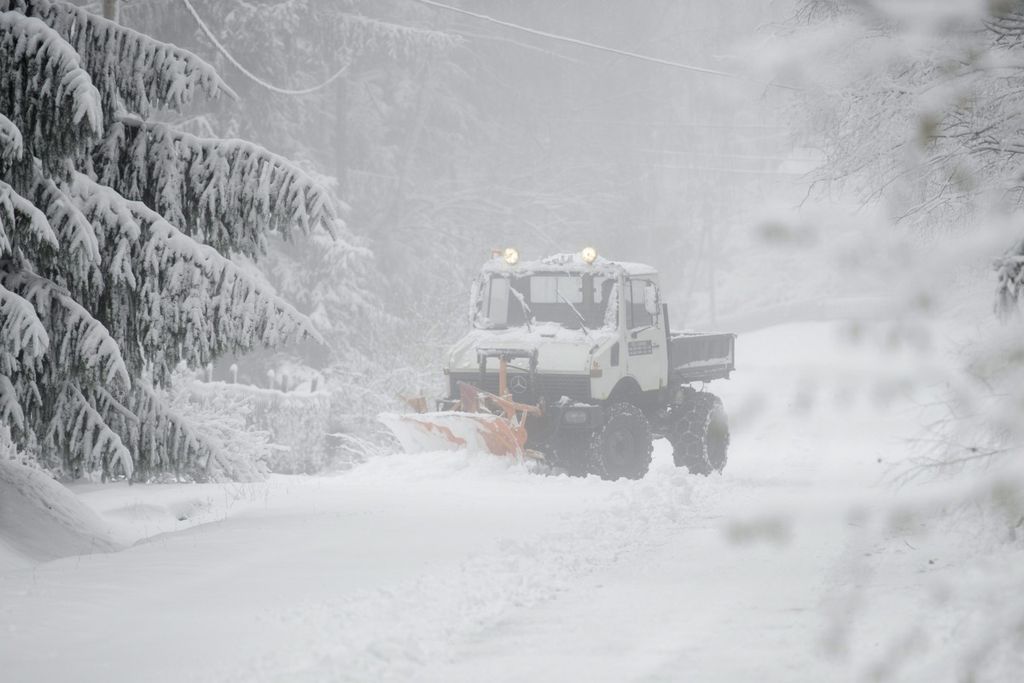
{"x":651,"y":300}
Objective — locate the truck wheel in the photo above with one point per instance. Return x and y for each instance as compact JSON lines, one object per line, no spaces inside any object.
{"x":699,"y":432}
{"x":622,"y":447}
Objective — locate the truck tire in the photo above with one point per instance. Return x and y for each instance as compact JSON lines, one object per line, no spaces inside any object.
{"x":622,"y":446}
{"x":699,"y":433}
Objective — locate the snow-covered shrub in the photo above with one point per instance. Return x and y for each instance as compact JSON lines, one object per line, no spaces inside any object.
{"x":362,"y":390}
{"x":286,"y":432}
{"x":238,"y":450}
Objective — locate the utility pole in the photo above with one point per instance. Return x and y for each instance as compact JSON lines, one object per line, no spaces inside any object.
{"x":111,"y":11}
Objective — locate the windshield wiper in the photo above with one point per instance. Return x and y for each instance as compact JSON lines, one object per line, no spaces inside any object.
{"x":583,"y":322}
{"x":522,"y":304}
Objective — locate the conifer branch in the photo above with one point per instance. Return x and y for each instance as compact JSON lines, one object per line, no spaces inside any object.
{"x":161,"y":438}
{"x":10,"y":409}
{"x":79,"y":340}
{"x":16,"y":211}
{"x":39,"y":61}
{"x":22,"y":335}
{"x":11,"y":146}
{"x":186,"y":291}
{"x":226,"y":193}
{"x":78,"y":428}
{"x":79,"y":247}
{"x":137,"y":72}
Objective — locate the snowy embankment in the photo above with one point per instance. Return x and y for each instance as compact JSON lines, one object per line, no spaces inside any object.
{"x":41,"y":520}
{"x":455,"y":566}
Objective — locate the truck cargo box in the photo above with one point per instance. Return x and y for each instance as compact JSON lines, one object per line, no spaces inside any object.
{"x":701,"y":357}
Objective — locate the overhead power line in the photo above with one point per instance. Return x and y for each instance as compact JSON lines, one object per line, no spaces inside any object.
{"x":269,"y":86}
{"x":584,"y":43}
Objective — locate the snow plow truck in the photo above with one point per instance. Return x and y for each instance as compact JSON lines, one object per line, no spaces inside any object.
{"x":571,"y":360}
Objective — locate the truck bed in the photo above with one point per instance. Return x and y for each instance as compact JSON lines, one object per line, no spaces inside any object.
{"x":701,"y":357}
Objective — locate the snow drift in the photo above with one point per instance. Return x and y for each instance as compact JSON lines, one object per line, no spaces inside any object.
{"x":42,"y":520}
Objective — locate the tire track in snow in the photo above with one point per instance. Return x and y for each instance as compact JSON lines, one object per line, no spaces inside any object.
{"x":391,"y":634}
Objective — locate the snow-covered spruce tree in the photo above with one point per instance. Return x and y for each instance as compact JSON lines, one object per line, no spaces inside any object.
{"x":115,"y":237}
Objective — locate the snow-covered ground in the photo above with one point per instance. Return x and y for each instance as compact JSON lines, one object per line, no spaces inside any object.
{"x":463,"y":567}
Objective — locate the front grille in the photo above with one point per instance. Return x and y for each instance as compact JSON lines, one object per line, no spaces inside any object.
{"x":551,"y":387}
{"x":554,"y":387}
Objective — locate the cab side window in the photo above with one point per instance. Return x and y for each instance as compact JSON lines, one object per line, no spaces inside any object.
{"x":638,"y":315}
{"x":497,"y":301}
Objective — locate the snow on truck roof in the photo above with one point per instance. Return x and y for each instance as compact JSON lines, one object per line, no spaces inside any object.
{"x":560,"y":263}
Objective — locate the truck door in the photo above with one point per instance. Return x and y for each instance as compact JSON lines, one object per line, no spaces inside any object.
{"x":646,"y":355}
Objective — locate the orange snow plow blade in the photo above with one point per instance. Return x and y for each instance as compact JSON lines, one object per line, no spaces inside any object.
{"x":453,"y":431}
{"x":482,"y":422}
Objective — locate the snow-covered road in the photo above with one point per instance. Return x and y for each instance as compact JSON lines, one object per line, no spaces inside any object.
{"x":460,"y":567}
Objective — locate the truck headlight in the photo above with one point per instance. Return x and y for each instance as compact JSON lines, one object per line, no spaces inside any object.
{"x":511,"y":255}
{"x":589,"y":255}
{"x":574,"y":416}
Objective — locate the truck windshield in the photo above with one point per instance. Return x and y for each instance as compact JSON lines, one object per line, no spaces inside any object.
{"x":545,"y":297}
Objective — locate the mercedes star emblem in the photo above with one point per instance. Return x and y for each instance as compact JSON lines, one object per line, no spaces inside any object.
{"x":518,"y":384}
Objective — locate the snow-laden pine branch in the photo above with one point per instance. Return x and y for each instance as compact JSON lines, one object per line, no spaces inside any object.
{"x":48,"y":96}
{"x":23,"y":338}
{"x":161,"y":438}
{"x":79,"y":339}
{"x":131,"y":70}
{"x":116,"y":230}
{"x":11,"y":146}
{"x":10,"y":409}
{"x":78,"y":246}
{"x":226,"y":193}
{"x":181,"y":290}
{"x":78,"y":428}
{"x":18,"y":212}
